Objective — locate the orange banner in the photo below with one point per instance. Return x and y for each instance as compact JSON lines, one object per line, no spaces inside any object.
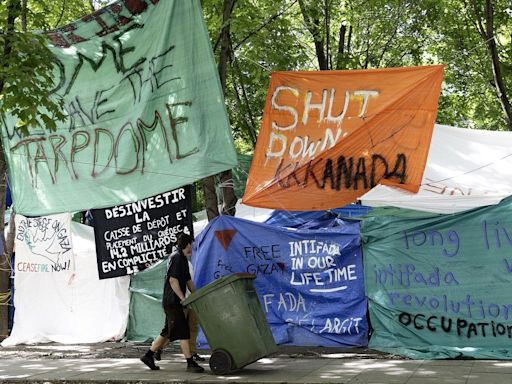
{"x":327,"y":137}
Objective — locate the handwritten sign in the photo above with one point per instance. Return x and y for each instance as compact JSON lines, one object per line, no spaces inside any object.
{"x":438,"y":284}
{"x":137,"y":113}
{"x":310,"y":282}
{"x":131,"y":237}
{"x":328,"y":137}
{"x":43,"y":244}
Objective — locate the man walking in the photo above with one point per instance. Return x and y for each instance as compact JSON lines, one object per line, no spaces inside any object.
{"x":176,"y":325}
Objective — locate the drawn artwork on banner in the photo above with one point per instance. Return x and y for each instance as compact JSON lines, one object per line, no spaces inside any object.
{"x":310,"y":282}
{"x":441,"y":284}
{"x":43,"y":244}
{"x":326,"y":138}
{"x":136,"y":113}
{"x":132,"y":237}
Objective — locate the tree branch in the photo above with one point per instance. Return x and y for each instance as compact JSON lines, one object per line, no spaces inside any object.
{"x":62,"y":9}
{"x":252,"y":33}
{"x":251,"y":128}
{"x":496,"y":64}
{"x":313,"y":26}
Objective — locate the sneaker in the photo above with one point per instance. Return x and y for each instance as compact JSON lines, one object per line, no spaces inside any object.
{"x":194,"y":367}
{"x":158,"y":354}
{"x":150,"y":362}
{"x":197,"y":357}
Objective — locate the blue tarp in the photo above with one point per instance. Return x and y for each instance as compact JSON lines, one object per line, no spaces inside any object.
{"x":310,"y":282}
{"x":316,"y":219}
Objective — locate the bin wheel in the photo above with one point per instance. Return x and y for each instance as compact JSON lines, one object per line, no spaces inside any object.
{"x":221,"y":362}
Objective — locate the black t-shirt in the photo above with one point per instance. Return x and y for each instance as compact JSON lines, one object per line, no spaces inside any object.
{"x":178,"y":268}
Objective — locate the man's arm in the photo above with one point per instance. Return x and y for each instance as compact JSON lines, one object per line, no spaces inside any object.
{"x":190,"y":286}
{"x":175,"y":286}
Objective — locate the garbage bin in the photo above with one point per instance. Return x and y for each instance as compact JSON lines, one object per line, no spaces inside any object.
{"x":233,"y":322}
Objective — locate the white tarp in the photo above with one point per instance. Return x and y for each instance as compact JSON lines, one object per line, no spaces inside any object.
{"x":466,"y":168}
{"x":58,"y":296}
{"x":243,"y":211}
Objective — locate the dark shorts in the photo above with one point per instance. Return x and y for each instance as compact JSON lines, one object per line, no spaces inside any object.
{"x":176,"y":324}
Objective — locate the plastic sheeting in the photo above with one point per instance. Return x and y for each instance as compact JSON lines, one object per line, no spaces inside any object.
{"x":147,"y":317}
{"x":145,"y":111}
{"x":71,"y":305}
{"x":327,"y":137}
{"x":310,"y":282}
{"x":438,"y":286}
{"x":242,"y":211}
{"x":316,"y":219}
{"x":465,"y":169}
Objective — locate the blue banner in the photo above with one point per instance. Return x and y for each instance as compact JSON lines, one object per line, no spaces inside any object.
{"x":310,"y":282}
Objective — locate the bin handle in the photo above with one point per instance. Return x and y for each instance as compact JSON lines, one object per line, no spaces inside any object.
{"x":245,"y":275}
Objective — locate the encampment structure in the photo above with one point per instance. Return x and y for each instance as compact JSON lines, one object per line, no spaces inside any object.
{"x":430,"y":259}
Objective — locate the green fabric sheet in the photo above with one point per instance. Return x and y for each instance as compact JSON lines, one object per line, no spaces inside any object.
{"x":145,"y":111}
{"x":146,"y":316}
{"x":438,"y":286}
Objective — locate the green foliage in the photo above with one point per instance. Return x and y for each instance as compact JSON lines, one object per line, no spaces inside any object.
{"x":46,"y":15}
{"x":469,"y":96}
{"x":364,"y":34}
{"x":270,"y":35}
{"x":26,"y":75}
{"x":197,"y":197}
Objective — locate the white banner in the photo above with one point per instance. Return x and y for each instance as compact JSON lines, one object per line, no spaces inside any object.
{"x":43,"y":244}
{"x":466,"y":168}
{"x":58,"y":296}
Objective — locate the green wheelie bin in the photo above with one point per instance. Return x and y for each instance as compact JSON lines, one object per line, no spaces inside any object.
{"x":233,"y":322}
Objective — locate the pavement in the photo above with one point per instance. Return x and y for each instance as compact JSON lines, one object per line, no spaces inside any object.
{"x":55,"y":363}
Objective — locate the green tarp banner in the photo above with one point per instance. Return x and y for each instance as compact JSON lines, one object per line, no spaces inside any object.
{"x":146,"y":317}
{"x":438,"y":286}
{"x":145,"y":111}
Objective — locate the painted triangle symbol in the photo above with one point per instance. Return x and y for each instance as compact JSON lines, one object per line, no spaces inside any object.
{"x":225,"y":237}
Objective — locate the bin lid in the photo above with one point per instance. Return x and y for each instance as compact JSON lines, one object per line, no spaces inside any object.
{"x":214,"y":285}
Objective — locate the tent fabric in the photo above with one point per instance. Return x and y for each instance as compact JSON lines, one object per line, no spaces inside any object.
{"x":309,"y":282}
{"x":305,"y":220}
{"x":352,"y":211}
{"x":438,"y":285}
{"x":298,"y":219}
{"x":147,"y":317}
{"x":240,"y":173}
{"x":241,"y":210}
{"x":327,"y":137}
{"x":145,"y":112}
{"x":466,"y":169}
{"x":70,"y":305}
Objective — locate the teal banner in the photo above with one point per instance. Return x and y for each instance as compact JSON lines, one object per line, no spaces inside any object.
{"x":145,"y":111}
{"x":438,"y":286}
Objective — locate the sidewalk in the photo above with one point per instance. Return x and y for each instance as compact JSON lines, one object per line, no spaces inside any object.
{"x":267,"y":370}
{"x":281,"y":368}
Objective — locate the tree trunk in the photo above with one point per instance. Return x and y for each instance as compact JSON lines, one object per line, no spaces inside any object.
{"x":13,"y":11}
{"x":226,"y":178}
{"x":327,"y":23}
{"x":210,"y":197}
{"x":208,"y":183}
{"x":501,"y":91}
{"x":340,"y":55}
{"x":5,"y":258}
{"x":24,"y":15}
{"x":228,"y":193}
{"x":313,"y":26}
